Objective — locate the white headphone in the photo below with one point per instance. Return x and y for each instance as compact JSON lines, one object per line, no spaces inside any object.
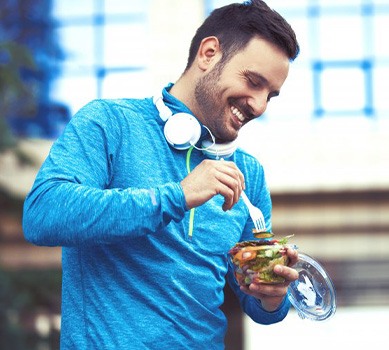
{"x":183,"y":130}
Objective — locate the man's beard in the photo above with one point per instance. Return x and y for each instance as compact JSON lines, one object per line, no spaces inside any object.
{"x":209,"y":101}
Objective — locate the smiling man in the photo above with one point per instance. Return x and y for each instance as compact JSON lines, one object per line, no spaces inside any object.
{"x":144,"y":196}
{"x":226,"y":94}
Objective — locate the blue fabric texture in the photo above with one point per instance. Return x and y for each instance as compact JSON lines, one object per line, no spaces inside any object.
{"x":109,"y":193}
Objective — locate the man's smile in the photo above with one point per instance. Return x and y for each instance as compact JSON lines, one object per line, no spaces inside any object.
{"x":237,"y":113}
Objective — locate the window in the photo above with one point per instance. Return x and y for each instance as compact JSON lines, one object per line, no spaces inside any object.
{"x":106,"y":49}
{"x":113,"y":49}
{"x":343,"y":60}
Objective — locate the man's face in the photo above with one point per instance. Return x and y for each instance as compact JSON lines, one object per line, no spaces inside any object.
{"x":229,"y":97}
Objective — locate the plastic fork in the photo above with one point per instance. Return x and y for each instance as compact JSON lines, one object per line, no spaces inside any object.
{"x":255,"y":214}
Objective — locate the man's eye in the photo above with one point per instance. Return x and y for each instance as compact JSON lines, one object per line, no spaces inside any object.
{"x":254,"y":83}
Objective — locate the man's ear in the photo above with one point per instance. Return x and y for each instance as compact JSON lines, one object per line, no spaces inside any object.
{"x":209,"y":53}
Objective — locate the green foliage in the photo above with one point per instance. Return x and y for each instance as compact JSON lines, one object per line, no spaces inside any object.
{"x":23,"y":295}
{"x":17,"y":96}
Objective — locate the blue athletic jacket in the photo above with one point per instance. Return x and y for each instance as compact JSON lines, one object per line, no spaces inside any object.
{"x":140,"y":271}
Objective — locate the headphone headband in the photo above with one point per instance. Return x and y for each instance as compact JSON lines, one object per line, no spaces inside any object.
{"x":218,"y":150}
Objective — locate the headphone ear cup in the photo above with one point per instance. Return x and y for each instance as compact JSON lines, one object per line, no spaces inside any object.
{"x":182,"y":130}
{"x":218,"y":150}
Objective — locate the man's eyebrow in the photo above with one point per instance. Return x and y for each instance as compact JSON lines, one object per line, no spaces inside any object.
{"x":263,"y":81}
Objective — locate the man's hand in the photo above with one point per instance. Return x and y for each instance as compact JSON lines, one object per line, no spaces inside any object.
{"x":212,"y":177}
{"x":272,"y":295}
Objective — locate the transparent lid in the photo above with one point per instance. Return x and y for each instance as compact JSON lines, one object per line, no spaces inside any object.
{"x":313,"y":293}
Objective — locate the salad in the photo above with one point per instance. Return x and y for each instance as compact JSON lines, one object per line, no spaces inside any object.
{"x":254,"y":260}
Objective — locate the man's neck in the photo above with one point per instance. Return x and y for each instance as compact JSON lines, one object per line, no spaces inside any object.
{"x":183,"y":90}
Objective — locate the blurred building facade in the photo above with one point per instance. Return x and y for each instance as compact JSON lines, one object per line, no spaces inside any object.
{"x":323,"y":142}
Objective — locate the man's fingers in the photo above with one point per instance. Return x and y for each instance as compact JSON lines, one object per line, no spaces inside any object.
{"x":210,"y":178}
{"x":233,"y":179}
{"x":288,"y":273}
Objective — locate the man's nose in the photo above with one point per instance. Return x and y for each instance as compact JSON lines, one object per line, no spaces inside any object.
{"x":258,"y":103}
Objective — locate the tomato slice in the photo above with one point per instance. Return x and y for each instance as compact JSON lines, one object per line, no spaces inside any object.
{"x":246,"y":254}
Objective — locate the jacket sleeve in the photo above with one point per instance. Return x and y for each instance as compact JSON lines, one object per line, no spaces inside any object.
{"x":252,"y":306}
{"x":70,"y":203}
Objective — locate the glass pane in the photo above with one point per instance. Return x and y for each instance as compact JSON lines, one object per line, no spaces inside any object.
{"x":343,"y":89}
{"x":341,"y":3}
{"x":381,"y":42}
{"x":72,"y":8}
{"x":340,"y":37}
{"x":219,"y":3}
{"x":127,"y":85}
{"x":296,"y":97}
{"x":281,"y":5}
{"x":123,"y":7}
{"x":301,"y":27}
{"x":125,"y":45}
{"x":74,"y":91}
{"x":381,"y":88}
{"x":77,"y":43}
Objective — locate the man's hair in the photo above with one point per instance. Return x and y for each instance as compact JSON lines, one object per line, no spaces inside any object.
{"x":236,"y":24}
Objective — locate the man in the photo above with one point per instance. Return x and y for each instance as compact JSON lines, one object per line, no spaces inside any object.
{"x":144,"y":196}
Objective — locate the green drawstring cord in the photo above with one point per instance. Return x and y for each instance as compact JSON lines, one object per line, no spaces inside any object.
{"x":192,"y":211}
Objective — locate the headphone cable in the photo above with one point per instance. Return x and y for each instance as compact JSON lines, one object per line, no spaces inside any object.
{"x":192,"y":211}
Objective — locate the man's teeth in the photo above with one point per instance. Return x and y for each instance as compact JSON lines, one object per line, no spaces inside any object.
{"x":235,"y":111}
